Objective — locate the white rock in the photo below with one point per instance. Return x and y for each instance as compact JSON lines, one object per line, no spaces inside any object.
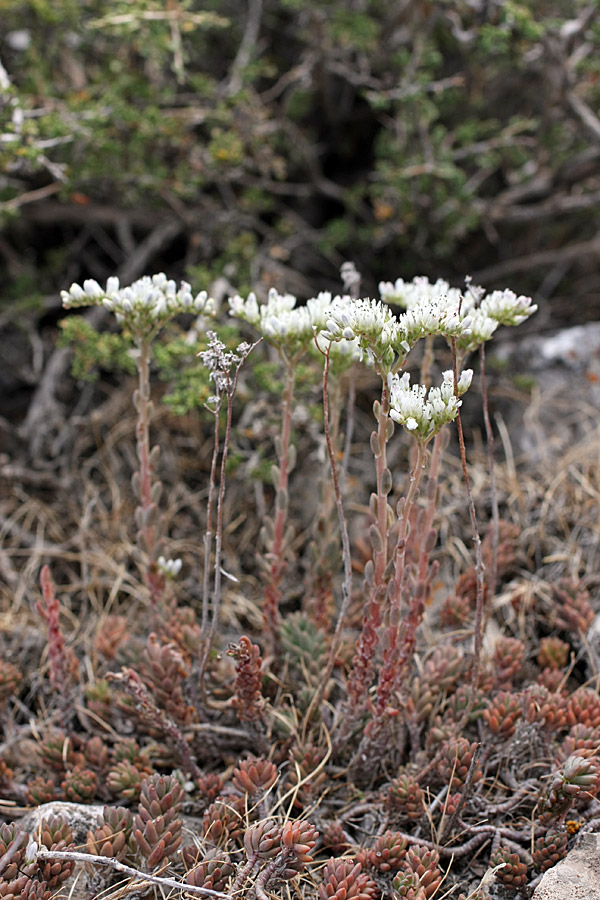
{"x":577,"y":876}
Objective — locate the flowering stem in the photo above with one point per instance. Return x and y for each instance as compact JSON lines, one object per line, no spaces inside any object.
{"x":209,"y":514}
{"x":229,"y":387}
{"x":276,"y":554}
{"x":147,"y":492}
{"x":346,"y":552}
{"x":392,"y":662}
{"x":479,"y":566}
{"x":361,"y":674}
{"x":489,"y":433}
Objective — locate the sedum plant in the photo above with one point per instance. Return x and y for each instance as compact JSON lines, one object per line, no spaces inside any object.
{"x":142,"y":309}
{"x":283,"y":760}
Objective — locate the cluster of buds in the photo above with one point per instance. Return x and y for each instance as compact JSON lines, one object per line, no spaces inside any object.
{"x":512,"y":870}
{"x":247,"y":700}
{"x":143,"y":306}
{"x":254,"y":776}
{"x":343,"y":879}
{"x":423,"y":412}
{"x":170,"y":568}
{"x":157,"y":826}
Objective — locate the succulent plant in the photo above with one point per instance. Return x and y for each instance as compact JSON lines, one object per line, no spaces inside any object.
{"x":80,"y":785}
{"x":508,"y":657}
{"x":553,"y":653}
{"x":423,"y":862}
{"x":513,"y":871}
{"x":157,"y":826}
{"x":405,"y":797}
{"x":262,"y":840}
{"x":112,"y":837}
{"x":164,"y":670}
{"x":96,"y":754}
{"x":124,"y":780}
{"x":571,"y":608}
{"x":254,"y":776}
{"x":386,"y":855}
{"x":55,"y":834}
{"x":343,"y":879}
{"x":10,"y":679}
{"x":209,"y":786}
{"x":549,"y":849}
{"x":503,"y":712}
{"x":224,"y":820}
{"x":583,"y":708}
{"x":214,"y":870}
{"x":456,"y":756}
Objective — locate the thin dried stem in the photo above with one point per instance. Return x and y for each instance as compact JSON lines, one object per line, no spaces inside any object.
{"x":90,"y":858}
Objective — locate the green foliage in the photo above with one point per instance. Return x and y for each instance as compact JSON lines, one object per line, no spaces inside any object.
{"x":351,"y":128}
{"x":94,"y":350}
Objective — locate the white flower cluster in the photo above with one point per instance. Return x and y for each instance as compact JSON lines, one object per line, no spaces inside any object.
{"x":383,"y":336}
{"x":421,"y":412}
{"x":483,"y":313}
{"x":144,"y":305}
{"x":419,"y":292}
{"x":282,"y":322}
{"x":170,"y":568}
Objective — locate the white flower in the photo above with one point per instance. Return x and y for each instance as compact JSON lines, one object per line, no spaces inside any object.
{"x":170,"y":568}
{"x":468,"y":315}
{"x":425,"y":413}
{"x":506,"y":308}
{"x":144,"y":305}
{"x":281,"y":321}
